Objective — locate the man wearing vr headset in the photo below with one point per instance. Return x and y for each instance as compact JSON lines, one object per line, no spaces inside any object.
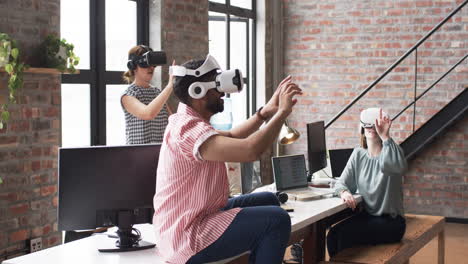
{"x":375,"y":169}
{"x":144,"y":106}
{"x":194,"y":220}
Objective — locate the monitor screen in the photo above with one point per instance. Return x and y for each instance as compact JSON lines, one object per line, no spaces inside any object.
{"x":338,"y":160}
{"x":316,"y":146}
{"x":289,"y":172}
{"x":96,"y":182}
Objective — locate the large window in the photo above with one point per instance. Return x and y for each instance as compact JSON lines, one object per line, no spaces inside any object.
{"x":102,"y":32}
{"x":232,"y":43}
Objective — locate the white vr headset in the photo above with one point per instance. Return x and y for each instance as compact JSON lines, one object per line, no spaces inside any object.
{"x":368,"y":117}
{"x":230,"y":81}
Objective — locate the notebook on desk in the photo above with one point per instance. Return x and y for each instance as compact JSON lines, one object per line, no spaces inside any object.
{"x":291,"y":177}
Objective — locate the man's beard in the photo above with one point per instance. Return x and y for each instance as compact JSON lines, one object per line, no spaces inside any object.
{"x":215,"y":106}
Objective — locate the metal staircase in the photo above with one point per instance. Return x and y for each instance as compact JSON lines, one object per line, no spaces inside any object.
{"x":447,"y":116}
{"x":437,"y":124}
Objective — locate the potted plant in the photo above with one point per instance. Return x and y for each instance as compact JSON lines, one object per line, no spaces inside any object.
{"x":15,"y":69}
{"x":58,"y":53}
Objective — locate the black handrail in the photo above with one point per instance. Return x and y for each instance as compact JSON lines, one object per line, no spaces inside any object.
{"x":430,"y":87}
{"x":407,"y":53}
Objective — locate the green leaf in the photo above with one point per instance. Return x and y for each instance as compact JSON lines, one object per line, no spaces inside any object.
{"x":5,"y":116}
{"x":9,"y":68}
{"x":15,"y":53}
{"x":1,"y":126}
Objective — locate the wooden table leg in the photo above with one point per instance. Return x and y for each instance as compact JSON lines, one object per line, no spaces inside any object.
{"x":314,"y":244}
{"x":441,"y":247}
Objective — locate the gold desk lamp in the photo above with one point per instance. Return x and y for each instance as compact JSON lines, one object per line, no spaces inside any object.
{"x":287,"y":134}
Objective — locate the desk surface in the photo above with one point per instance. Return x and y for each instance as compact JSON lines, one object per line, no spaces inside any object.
{"x":85,"y":250}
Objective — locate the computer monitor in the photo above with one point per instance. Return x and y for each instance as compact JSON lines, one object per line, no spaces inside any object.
{"x":102,"y":186}
{"x":338,"y":160}
{"x":316,"y":146}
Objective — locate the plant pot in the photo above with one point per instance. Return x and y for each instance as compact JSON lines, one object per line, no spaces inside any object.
{"x":5,"y":49}
{"x":57,"y":59}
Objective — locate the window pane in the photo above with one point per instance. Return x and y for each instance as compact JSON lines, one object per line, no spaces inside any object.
{"x":219,"y":1}
{"x":239,"y":44}
{"x":76,"y":116}
{"x":238,"y":56}
{"x":217,"y":37}
{"x":74,"y":27}
{"x":115,"y":119}
{"x":242,"y":3}
{"x":120,"y":33}
{"x":239,"y":106}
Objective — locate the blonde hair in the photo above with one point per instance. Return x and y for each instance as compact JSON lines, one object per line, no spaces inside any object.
{"x":129,"y":76}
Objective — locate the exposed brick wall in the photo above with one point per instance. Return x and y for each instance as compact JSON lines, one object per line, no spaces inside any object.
{"x":184,"y":33}
{"x":437,"y":181}
{"x":335,"y":49}
{"x":28,"y":144}
{"x":185,"y":29}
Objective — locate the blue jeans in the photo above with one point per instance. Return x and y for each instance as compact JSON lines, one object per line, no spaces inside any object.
{"x":365,"y":229}
{"x":261,"y":227}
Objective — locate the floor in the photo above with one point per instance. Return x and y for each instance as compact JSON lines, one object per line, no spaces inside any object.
{"x":456,"y":247}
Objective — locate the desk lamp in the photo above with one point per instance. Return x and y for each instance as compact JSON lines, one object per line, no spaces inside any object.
{"x":287,"y":134}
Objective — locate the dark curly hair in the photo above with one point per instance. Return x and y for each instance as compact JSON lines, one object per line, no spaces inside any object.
{"x":181,"y":84}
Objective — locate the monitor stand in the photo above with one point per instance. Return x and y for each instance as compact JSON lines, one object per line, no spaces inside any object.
{"x":127,"y":239}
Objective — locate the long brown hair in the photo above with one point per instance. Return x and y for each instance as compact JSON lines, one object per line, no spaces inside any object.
{"x":363,"y":139}
{"x":129,"y":76}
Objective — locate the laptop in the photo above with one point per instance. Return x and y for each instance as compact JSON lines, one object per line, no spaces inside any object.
{"x":291,"y":177}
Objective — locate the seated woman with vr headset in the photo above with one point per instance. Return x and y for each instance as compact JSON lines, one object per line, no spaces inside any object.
{"x":375,"y":170}
{"x":144,"y":106}
{"x":195,"y":221}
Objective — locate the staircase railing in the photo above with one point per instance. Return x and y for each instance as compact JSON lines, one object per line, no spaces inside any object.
{"x":427,"y":90}
{"x":396,"y":63}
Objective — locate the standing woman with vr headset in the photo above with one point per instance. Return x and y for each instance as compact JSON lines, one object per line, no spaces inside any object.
{"x":375,"y":169}
{"x":144,"y":106}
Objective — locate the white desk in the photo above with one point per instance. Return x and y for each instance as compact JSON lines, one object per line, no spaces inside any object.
{"x":304,"y":219}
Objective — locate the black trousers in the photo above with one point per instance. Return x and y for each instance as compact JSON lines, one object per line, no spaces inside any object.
{"x":365,"y":229}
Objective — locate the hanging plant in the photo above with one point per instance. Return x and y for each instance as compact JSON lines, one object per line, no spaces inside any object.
{"x":57,"y":53}
{"x":9,"y":55}
{"x":5,"y":49}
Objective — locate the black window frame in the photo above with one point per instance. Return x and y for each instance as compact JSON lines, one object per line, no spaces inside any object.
{"x":241,"y":15}
{"x":97,"y":77}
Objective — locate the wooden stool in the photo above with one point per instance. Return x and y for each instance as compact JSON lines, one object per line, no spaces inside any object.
{"x":420,"y":229}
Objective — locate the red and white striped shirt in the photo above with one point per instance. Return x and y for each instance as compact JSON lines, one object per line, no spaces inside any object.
{"x":190,"y":192}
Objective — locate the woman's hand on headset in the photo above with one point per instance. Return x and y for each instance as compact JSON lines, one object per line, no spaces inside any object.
{"x":382,"y":126}
{"x":170,"y":83}
{"x":272,"y":106}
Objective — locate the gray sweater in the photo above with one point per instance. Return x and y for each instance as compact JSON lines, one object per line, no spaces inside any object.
{"x":377,"y":179}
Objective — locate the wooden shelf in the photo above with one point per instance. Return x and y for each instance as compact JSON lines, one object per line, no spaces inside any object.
{"x":44,"y":71}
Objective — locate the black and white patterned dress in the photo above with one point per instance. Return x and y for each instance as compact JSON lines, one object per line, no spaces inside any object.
{"x":139,"y":131}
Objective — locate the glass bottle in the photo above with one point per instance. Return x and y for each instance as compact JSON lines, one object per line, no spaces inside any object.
{"x":223,"y":120}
